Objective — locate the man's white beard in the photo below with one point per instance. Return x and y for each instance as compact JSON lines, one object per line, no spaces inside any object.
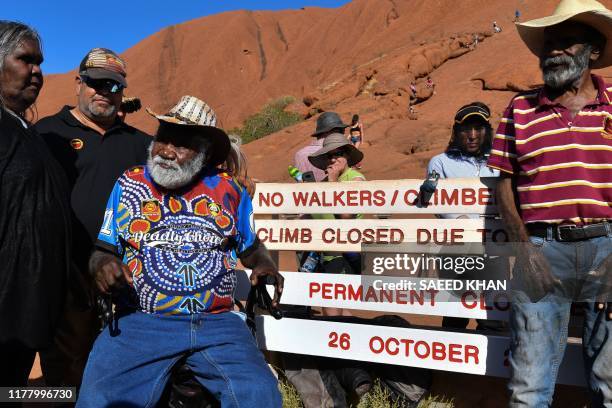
{"x":574,"y":68}
{"x":176,"y":176}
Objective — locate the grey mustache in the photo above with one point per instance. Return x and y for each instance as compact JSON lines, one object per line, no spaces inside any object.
{"x":170,"y":163}
{"x":561,"y":59}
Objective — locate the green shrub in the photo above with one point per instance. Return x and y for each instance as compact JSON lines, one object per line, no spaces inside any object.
{"x":270,"y":119}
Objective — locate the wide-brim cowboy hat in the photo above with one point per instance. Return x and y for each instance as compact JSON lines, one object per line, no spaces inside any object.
{"x":333,"y":142}
{"x":328,"y":121}
{"x":193,"y":112}
{"x":589,"y":12}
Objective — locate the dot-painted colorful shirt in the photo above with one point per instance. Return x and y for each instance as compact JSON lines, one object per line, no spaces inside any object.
{"x":175,"y":243}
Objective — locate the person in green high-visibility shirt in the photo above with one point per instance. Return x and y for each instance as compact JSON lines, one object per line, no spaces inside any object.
{"x":336,"y":158}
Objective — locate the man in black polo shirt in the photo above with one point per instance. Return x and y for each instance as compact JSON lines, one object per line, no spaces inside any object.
{"x":95,"y":148}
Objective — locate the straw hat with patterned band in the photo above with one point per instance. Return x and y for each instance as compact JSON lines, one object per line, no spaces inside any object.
{"x":335,"y":141}
{"x":589,"y":12}
{"x":191,"y":111}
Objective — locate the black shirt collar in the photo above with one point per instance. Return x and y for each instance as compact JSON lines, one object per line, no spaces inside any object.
{"x":70,"y":120}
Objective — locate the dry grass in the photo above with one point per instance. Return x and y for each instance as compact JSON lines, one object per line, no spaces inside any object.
{"x":291,"y":398}
{"x":378,"y":397}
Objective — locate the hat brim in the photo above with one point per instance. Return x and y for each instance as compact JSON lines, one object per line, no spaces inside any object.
{"x":220,"y":140}
{"x":329,"y":129}
{"x":319,"y":158}
{"x":99,"y":73}
{"x":532,"y":32}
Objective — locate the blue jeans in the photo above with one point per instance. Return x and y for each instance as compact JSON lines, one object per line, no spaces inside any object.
{"x":131,"y":368}
{"x":539,"y":330}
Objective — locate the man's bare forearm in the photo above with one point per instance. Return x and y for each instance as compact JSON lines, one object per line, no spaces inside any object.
{"x":259,"y":257}
{"x":506,"y":204}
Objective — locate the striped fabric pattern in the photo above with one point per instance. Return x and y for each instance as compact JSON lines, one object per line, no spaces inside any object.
{"x":105,"y":59}
{"x":189,"y":111}
{"x":563,"y":165}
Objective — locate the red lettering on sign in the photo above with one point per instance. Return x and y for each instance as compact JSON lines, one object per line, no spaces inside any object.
{"x":449,"y":199}
{"x":267,"y":199}
{"x":454,"y":353}
{"x":325,"y":236}
{"x":444,"y":236}
{"x":300,"y":198}
{"x":379,"y":198}
{"x":314,"y":287}
{"x":365,"y":198}
{"x":423,"y":351}
{"x":388,"y":343}
{"x":485,"y":196}
{"x":262,"y":234}
{"x":438,"y":351}
{"x":352,"y":198}
{"x":338,"y":200}
{"x":340,"y":291}
{"x":327,"y":291}
{"x":411,"y":197}
{"x":471,"y":352}
{"x":354,"y":236}
{"x":344,"y":340}
{"x":464,"y":300}
{"x":377,"y":345}
{"x":469,"y":196}
{"x":355,"y":295}
{"x":365,"y":236}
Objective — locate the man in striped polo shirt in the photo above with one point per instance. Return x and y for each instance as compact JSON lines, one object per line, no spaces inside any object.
{"x":554,"y":150}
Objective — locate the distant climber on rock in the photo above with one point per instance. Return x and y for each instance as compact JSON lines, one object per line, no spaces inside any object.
{"x":412,"y":115}
{"x":496,"y":28}
{"x":430,"y":84}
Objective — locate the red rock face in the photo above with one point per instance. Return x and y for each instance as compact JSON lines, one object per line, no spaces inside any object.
{"x":359,"y":58}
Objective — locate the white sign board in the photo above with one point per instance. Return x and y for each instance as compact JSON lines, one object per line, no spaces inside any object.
{"x":475,"y":196}
{"x":349,"y":292}
{"x":343,"y":235}
{"x":437,"y":350}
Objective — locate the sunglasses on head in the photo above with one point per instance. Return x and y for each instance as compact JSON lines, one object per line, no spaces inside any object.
{"x":107,"y":85}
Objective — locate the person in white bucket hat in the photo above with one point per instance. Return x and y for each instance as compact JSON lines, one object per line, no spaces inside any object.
{"x":554,"y":150}
{"x":171,"y":236}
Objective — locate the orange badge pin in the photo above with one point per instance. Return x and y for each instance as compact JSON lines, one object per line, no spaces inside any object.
{"x":76,"y":144}
{"x":151,"y":210}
